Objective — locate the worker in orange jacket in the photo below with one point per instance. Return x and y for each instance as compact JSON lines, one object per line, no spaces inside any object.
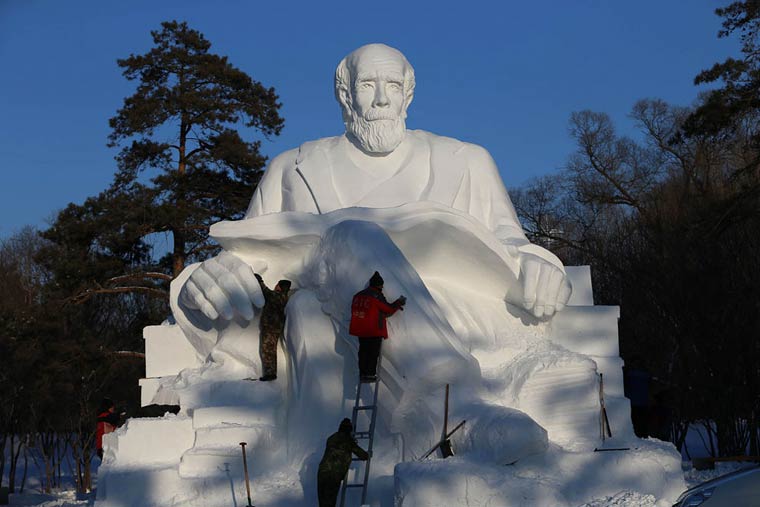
{"x":108,"y":421}
{"x":369,"y":310}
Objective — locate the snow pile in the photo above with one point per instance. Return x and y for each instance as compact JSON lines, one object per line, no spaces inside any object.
{"x":61,"y":499}
{"x":501,"y":435}
{"x":557,"y":477}
{"x":623,"y":499}
{"x":694,"y":477}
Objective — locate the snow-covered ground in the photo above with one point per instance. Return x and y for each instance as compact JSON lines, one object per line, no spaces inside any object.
{"x":68,"y":498}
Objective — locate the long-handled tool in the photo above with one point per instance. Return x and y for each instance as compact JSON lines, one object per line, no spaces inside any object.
{"x":445,"y":446}
{"x":604,"y":422}
{"x":447,"y":436}
{"x":245,"y":470}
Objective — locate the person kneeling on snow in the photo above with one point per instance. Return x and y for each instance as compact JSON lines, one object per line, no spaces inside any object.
{"x":369,"y":309}
{"x":272,"y":325}
{"x":335,"y":462}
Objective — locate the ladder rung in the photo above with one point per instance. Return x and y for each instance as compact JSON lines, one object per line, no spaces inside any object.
{"x":361,"y":434}
{"x":365,"y":407}
{"x":355,"y":485}
{"x":358,"y":459}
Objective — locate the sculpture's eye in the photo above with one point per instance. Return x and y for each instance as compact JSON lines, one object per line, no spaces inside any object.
{"x":395,"y":87}
{"x":366,"y":86}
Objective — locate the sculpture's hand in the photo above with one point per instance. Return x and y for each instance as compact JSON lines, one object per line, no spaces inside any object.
{"x":546,"y":288}
{"x":221,"y":288}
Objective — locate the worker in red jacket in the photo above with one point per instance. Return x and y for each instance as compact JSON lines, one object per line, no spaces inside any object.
{"x":108,"y":421}
{"x":369,"y":309}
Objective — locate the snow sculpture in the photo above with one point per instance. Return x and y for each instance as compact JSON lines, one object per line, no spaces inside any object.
{"x":432,"y":215}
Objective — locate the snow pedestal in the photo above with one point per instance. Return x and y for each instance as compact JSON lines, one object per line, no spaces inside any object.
{"x":593,"y":332}
{"x":194,"y":459}
{"x":167,"y":352}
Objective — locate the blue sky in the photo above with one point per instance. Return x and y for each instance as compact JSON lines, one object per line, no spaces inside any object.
{"x":502,"y":74}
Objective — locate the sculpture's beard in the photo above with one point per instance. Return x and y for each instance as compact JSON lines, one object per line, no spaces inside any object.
{"x":378,"y":131}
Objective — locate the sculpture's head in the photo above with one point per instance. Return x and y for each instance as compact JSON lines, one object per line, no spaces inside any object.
{"x":375,"y":85}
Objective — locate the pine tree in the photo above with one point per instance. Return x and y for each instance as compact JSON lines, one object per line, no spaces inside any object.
{"x":739,"y":95}
{"x":182,"y":159}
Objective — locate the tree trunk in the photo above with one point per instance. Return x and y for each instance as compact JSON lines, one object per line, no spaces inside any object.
{"x":3,"y":441}
{"x":79,"y":475}
{"x":15,"y":452}
{"x":178,"y":256}
{"x":26,"y":468}
{"x":87,"y":480}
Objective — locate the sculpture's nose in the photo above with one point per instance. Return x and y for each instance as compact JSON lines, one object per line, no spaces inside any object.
{"x":381,"y":98}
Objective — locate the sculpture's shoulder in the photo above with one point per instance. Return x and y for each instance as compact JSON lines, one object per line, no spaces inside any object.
{"x":289,"y":181}
{"x":317,"y":146}
{"x":287,"y":161}
{"x":283,"y":162}
{"x":453,"y":147}
{"x":468,"y":156}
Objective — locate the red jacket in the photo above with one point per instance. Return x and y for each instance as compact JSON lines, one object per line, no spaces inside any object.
{"x":369,"y":309}
{"x":107,"y":422}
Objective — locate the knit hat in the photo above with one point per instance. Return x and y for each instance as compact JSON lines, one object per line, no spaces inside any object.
{"x":346,"y":426}
{"x":106,"y":404}
{"x":376,"y":280}
{"x":284,"y":285}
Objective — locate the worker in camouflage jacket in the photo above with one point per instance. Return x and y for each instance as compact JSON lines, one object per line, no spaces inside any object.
{"x":271,"y":325}
{"x":335,"y":462}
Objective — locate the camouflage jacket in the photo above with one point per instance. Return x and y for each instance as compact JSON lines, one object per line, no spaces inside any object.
{"x":273,"y":314}
{"x":337,"y":457}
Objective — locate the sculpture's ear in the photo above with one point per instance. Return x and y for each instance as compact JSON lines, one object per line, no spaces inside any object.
{"x":342,"y":93}
{"x":344,"y":97}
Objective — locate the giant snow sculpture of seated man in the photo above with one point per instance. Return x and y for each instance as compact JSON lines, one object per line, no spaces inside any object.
{"x":429,"y":212}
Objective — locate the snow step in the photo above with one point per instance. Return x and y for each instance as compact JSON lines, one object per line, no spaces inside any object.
{"x":231,"y":434}
{"x":252,"y":415}
{"x":232,"y":392}
{"x":201,"y":462}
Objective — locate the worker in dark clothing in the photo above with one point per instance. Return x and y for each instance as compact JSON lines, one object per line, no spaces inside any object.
{"x":369,"y":309}
{"x":271,"y":325}
{"x":108,"y":421}
{"x":335,"y":462}
{"x":636,"y":385}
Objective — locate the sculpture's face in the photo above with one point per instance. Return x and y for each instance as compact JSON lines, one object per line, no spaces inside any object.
{"x":377,"y":102}
{"x":378,"y":89}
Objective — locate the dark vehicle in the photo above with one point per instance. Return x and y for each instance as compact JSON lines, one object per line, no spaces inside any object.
{"x":739,"y":488}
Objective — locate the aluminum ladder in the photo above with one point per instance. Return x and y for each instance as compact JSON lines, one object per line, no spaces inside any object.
{"x":368,"y":436}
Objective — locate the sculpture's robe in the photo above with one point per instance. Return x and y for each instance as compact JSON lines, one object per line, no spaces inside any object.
{"x":317,"y":178}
